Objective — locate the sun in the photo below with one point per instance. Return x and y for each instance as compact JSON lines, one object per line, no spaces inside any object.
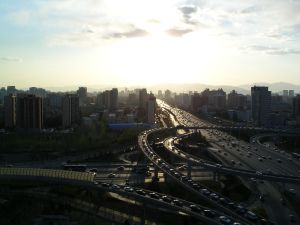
{"x":161,"y":58}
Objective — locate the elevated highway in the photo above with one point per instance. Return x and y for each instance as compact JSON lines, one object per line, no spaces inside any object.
{"x":86,"y":180}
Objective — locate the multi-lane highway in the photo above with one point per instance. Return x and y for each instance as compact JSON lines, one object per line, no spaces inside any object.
{"x":243,"y":156}
{"x":200,"y":191}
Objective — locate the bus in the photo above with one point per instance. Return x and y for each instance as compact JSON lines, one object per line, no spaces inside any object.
{"x":75,"y":167}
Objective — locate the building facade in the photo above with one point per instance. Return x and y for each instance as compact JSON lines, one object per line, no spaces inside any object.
{"x":29,"y":112}
{"x":10,"y":111}
{"x":261,"y":105}
{"x":70,"y":110}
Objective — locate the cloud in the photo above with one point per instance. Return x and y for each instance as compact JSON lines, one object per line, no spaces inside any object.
{"x":274,"y":50}
{"x":187,"y":12}
{"x":176,"y":32}
{"x":10,"y":59}
{"x":91,"y":36}
{"x":136,"y":32}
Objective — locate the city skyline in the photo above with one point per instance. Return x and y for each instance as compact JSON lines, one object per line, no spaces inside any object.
{"x":61,"y":43}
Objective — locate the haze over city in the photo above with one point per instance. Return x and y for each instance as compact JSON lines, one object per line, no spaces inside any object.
{"x":72,"y":42}
{"x":139,"y":112}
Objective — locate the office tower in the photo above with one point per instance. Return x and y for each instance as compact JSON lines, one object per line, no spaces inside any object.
{"x":132,"y":99}
{"x":296,"y":106}
{"x":11,"y":90}
{"x":29,"y":112}
{"x":106,"y":99}
{"x":151,"y":108}
{"x":160,"y":94}
{"x":261,"y":105}
{"x":143,"y":96}
{"x":10,"y":111}
{"x":113,"y":97}
{"x":232,"y":99}
{"x":168,"y":94}
{"x":82,"y":93}
{"x":195,"y":102}
{"x":40,"y":92}
{"x":236,"y":100}
{"x":291,"y":93}
{"x":217,"y":99}
{"x":70,"y":110}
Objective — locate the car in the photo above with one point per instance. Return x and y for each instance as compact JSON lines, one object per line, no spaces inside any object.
{"x":195,"y":208}
{"x":105,"y":184}
{"x":236,"y":223}
{"x":279,"y":161}
{"x":121,"y":168}
{"x":111,"y":175}
{"x":166,"y":199}
{"x":209,"y":213}
{"x":128,"y":189}
{"x":223,"y":201}
{"x":251,"y":216}
{"x":140,"y":192}
{"x":154,"y":195}
{"x":241,"y":209}
{"x":224,"y":220}
{"x":205,"y":191}
{"x":196,"y":186}
{"x":177,"y":202}
{"x":115,"y":186}
{"x":214,"y":196}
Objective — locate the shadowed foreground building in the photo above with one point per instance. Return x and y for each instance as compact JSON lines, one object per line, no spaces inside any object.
{"x":29,"y":111}
{"x":261,"y":105}
{"x":70,"y":110}
{"x":10,"y":111}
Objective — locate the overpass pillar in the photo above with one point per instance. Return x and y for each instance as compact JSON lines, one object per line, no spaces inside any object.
{"x":189,"y":169}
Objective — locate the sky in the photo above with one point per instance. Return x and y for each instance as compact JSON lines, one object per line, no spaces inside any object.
{"x":52,"y":43}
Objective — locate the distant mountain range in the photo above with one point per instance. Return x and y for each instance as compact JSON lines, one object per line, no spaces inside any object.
{"x":243,"y":89}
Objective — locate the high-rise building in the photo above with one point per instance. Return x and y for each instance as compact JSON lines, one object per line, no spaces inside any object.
{"x":285,"y":93}
{"x":29,"y":112}
{"x":216,"y":99}
{"x":291,"y":93}
{"x":113,"y":96}
{"x":70,"y":110}
{"x":10,"y":111}
{"x":151,"y":108}
{"x":82,"y":93}
{"x":261,"y":105}
{"x":236,"y":100}
{"x":296,"y":106}
{"x":168,"y":94}
{"x":143,"y":97}
{"x":11,"y":90}
{"x":160,"y":94}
